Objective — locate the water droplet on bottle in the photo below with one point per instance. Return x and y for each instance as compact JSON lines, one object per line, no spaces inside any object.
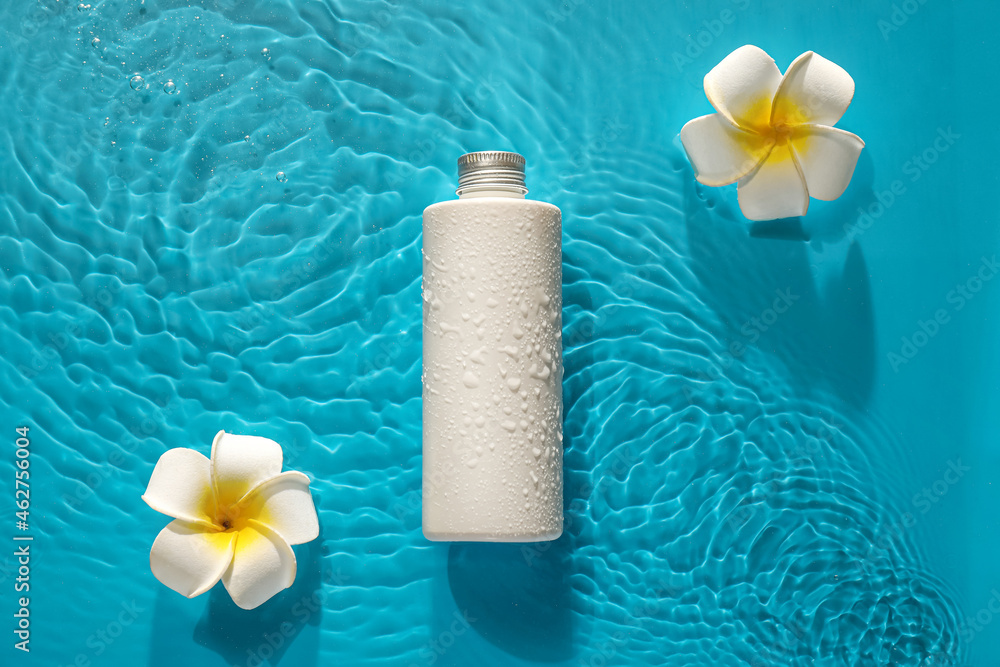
{"x":265,"y":53}
{"x":470,"y":380}
{"x":280,"y":176}
{"x":511,"y":351}
{"x":170,"y":88}
{"x":136,"y":82}
{"x":542,"y":373}
{"x":96,"y":42}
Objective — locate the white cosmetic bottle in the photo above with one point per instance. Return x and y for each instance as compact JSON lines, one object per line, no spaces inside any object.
{"x":492,"y":366}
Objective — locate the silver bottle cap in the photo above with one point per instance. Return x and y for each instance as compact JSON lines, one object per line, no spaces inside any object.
{"x":491,"y":170}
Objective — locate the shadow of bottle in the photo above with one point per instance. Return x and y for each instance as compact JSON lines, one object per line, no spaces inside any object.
{"x":515,"y":596}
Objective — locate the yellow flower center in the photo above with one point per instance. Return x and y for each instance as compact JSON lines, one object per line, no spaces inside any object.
{"x":221,"y":508}
{"x":231,"y":518}
{"x":781,"y":133}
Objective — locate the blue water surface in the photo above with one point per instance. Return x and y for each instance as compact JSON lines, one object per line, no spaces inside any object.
{"x":210,"y":219}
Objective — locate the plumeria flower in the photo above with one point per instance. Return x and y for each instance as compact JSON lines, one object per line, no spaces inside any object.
{"x":774,"y":134}
{"x":234,"y":519}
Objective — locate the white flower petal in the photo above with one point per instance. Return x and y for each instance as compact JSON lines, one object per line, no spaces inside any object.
{"x":241,"y":462}
{"x":827,"y":157}
{"x":284,"y":504}
{"x":721,"y":153}
{"x":188,"y":559}
{"x":742,"y":86}
{"x":263,"y":566}
{"x":813,"y":90}
{"x":181,"y":486}
{"x":775,"y":190}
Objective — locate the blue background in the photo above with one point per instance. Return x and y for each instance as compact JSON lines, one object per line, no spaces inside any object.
{"x":738,"y":493}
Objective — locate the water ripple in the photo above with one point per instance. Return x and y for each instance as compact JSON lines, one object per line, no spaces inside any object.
{"x":726,"y":505}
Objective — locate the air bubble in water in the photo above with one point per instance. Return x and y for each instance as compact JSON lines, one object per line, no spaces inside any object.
{"x":96,"y":42}
{"x":170,"y":88}
{"x":281,"y":177}
{"x":82,"y":7}
{"x":246,"y":138}
{"x":136,"y":82}
{"x":266,"y":53}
